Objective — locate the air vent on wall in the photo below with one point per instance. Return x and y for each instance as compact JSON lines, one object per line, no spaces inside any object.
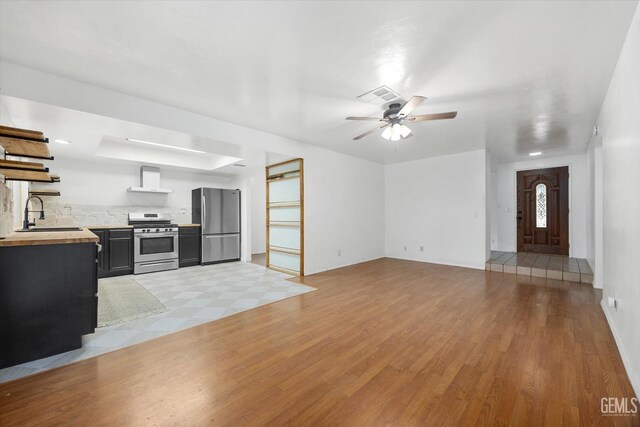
{"x":379,"y":95}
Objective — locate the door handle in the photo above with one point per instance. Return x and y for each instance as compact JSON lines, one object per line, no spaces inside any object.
{"x":204,"y":212}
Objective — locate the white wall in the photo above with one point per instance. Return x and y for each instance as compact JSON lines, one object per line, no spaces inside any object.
{"x":590,"y":202}
{"x":95,"y":193}
{"x":594,"y":209}
{"x":487,"y":205}
{"x":492,"y":201}
{"x":344,"y":196}
{"x":344,"y":202}
{"x":598,"y":218}
{"x":505,"y":209}
{"x":253,"y":216}
{"x":258,"y":187}
{"x":619,"y":125}
{"x":440,"y":204}
{"x":97,"y":183}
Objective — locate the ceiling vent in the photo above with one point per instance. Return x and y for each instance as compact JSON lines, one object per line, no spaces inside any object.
{"x":380,"y":95}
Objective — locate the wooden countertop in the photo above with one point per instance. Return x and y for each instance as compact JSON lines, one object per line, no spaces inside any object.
{"x":99,"y":227}
{"x":48,"y":238}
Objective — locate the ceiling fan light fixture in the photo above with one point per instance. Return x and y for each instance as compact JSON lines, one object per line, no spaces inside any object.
{"x":386,"y":134}
{"x":404,"y":131}
{"x":396,"y":132}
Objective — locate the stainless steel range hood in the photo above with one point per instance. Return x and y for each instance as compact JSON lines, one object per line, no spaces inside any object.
{"x":149,"y":181}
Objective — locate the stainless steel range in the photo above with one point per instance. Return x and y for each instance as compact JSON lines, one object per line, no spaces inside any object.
{"x":155,"y":242}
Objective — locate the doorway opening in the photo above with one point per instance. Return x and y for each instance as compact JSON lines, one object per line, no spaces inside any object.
{"x":543,"y":210}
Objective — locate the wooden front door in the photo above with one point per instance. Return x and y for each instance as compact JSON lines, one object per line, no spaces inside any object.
{"x":543,"y":210}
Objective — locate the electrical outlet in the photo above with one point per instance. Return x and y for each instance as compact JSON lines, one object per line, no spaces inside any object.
{"x":339,"y":252}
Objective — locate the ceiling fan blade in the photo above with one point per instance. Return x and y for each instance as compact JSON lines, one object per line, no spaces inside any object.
{"x":411,"y":105}
{"x":363,"y":118}
{"x":362,"y":135}
{"x":436,"y":116}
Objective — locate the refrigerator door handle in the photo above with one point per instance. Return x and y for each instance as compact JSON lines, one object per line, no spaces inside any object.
{"x":204,"y":213}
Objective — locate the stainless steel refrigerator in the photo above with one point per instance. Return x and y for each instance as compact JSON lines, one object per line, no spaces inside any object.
{"x":218,"y":213}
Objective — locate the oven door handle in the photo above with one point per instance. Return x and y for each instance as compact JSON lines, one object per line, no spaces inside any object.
{"x":156,"y":235}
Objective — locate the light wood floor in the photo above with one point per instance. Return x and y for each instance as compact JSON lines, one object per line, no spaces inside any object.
{"x":384,"y":342}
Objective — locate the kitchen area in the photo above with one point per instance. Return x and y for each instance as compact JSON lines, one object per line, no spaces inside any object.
{"x":98,"y":251}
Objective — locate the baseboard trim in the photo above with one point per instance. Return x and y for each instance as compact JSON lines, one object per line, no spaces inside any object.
{"x":635,"y":380}
{"x":347,"y":264}
{"x":452,"y":264}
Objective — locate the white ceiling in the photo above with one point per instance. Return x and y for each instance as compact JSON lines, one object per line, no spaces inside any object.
{"x":524,"y":76}
{"x":104,"y":140}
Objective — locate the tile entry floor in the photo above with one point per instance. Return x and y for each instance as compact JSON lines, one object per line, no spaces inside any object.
{"x":192,"y":295}
{"x":558,"y":267}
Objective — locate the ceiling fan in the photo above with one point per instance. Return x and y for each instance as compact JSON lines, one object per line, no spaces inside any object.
{"x":394,"y":117}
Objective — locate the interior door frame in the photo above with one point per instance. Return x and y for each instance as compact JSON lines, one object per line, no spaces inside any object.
{"x":300,"y":160}
{"x":569,"y":197}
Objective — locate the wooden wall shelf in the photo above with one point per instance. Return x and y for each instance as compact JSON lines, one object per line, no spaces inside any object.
{"x":18,"y":142}
{"x":25,"y":148}
{"x":15,"y":164}
{"x":43,"y":192}
{"x":25,"y":175}
{"x":22,"y":133}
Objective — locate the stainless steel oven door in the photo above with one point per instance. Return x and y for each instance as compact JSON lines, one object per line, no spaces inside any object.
{"x":155,"y":246}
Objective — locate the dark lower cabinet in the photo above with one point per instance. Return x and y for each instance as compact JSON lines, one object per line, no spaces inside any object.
{"x":116,"y":257}
{"x":189,"y":246}
{"x":120,"y":252}
{"x":47,"y":300}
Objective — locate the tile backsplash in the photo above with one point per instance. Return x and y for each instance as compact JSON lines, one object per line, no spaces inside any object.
{"x":6,"y":210}
{"x":59,"y":213}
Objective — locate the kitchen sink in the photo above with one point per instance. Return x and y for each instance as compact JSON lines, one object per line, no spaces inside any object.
{"x":50,"y":229}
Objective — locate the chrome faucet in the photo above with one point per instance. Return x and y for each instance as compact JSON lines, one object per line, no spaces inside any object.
{"x":26,"y":224}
